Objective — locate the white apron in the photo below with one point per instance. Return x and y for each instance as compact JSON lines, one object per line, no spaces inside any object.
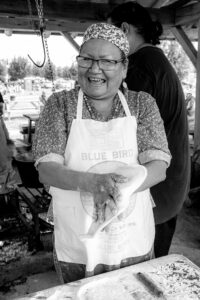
{"x":101,"y":147}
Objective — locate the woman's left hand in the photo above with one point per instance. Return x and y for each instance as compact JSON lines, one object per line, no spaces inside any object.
{"x":106,"y":191}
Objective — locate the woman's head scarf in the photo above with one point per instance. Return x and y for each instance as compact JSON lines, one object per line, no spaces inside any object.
{"x":108,"y":33}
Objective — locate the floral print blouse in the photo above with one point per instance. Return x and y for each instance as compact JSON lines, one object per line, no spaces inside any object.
{"x":53,"y":126}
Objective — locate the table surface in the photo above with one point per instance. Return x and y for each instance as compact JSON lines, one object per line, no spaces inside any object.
{"x":126,"y":276}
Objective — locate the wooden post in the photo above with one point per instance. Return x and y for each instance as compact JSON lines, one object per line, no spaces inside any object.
{"x":197,"y":109}
{"x":186,"y":44}
{"x":69,"y":38}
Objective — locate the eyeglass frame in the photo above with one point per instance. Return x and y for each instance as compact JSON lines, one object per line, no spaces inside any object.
{"x":114,"y":61}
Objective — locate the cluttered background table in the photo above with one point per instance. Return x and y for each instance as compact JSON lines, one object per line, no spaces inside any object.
{"x":171,"y":277}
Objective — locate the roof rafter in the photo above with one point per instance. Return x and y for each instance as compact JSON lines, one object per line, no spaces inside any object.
{"x":187,"y":14}
{"x":77,"y":15}
{"x":185,"y":42}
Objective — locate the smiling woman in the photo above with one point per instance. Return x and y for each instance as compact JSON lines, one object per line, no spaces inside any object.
{"x":89,"y":144}
{"x":98,"y":63}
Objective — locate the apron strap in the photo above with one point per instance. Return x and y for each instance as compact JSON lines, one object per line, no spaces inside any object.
{"x":80,"y":104}
{"x":124,"y":103}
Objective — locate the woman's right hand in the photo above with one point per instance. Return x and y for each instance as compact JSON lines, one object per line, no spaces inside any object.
{"x":104,"y":188}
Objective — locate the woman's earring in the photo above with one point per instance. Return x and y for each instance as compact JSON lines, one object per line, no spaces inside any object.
{"x":124,"y":84}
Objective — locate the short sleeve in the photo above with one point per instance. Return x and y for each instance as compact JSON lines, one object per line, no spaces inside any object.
{"x":51,"y":131}
{"x":151,"y":137}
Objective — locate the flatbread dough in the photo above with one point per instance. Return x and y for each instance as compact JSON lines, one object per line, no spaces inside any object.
{"x":104,"y":289}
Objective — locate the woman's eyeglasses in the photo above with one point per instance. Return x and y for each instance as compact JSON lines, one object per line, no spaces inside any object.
{"x":103,"y":64}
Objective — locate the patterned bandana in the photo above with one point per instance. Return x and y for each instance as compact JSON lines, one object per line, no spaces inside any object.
{"x":109,"y":33}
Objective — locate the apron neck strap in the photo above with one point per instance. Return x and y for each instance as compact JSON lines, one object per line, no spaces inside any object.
{"x":124,"y":103}
{"x":80,"y":104}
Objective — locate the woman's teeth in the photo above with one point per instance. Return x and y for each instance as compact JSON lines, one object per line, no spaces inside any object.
{"x":96,"y":80}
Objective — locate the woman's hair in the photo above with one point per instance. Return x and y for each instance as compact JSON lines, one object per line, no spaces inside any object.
{"x":136,"y":15}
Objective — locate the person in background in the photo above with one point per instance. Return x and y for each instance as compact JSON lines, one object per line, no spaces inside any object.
{"x":87,"y":143}
{"x":150,"y":71}
{"x":7,"y":151}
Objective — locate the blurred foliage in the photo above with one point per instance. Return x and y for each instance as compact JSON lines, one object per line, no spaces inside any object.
{"x":2,"y":71}
{"x":178,"y":58}
{"x":19,"y":68}
{"x":74,"y":71}
{"x":49,"y":71}
{"x":36,"y":71}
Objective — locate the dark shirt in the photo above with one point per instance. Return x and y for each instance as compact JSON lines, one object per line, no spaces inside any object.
{"x":4,"y":157}
{"x":150,"y":71}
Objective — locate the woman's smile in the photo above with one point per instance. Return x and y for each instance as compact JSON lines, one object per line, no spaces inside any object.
{"x":96,"y":81}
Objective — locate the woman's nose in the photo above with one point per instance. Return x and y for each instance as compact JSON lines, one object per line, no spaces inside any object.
{"x":95,"y":66}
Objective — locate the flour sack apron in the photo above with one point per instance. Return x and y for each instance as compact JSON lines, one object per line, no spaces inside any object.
{"x":101,"y":147}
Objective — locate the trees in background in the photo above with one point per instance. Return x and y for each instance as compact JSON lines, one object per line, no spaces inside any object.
{"x":178,"y":59}
{"x":73,"y":71}
{"x":49,"y":71}
{"x":66,"y":73}
{"x":36,"y":71}
{"x":21,"y":67}
{"x":3,"y":70}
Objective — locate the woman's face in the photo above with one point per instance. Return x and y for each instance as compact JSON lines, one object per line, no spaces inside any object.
{"x":96,"y":83}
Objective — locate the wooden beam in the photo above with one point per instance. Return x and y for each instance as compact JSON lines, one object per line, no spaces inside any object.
{"x":79,"y":11}
{"x":146,"y":3}
{"x":187,"y":14}
{"x":185,"y":42}
{"x":73,"y":15}
{"x":69,"y":38}
{"x":192,"y":34}
{"x":197,"y":109}
{"x":159,"y":3}
{"x":178,"y":4}
{"x":23,"y":24}
{"x":58,"y":9}
{"x":28,"y":32}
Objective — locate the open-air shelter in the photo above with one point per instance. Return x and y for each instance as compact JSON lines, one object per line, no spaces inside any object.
{"x":70,"y":18}
{"x":180,"y":20}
